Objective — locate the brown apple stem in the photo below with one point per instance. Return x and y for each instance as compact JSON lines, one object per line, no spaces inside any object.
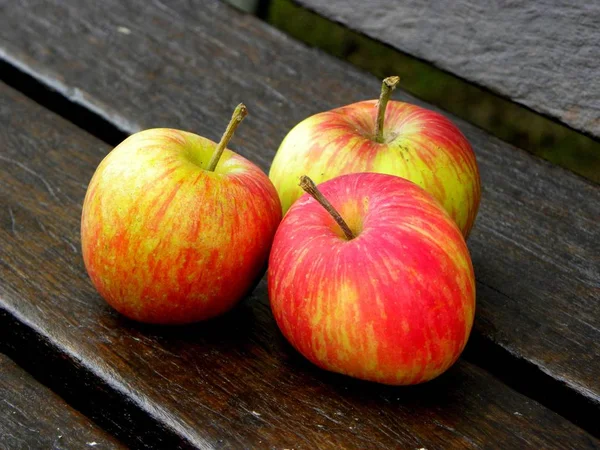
{"x":387,"y":87}
{"x":310,"y":187}
{"x":238,"y":115}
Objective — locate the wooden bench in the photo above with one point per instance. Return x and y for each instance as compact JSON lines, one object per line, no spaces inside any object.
{"x":119,"y":67}
{"x":34,"y":417}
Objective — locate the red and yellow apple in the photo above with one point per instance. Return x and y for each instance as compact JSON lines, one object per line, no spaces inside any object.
{"x":391,"y":299}
{"x":395,"y":138}
{"x":175,"y":228}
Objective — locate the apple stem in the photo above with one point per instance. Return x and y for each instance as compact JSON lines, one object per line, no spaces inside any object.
{"x":311,"y":189}
{"x":387,"y":87}
{"x":238,"y":115}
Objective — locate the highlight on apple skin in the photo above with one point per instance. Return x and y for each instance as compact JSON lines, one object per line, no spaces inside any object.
{"x":394,"y":304}
{"x":167,"y":241}
{"x":414,"y":143}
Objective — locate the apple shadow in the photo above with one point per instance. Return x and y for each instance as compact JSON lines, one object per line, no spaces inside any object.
{"x":250,"y":324}
{"x":234,"y":327}
{"x":446,"y":390}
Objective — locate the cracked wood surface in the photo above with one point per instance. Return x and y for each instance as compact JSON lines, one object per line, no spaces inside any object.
{"x":544,"y":54}
{"x":535,"y":245}
{"x":228,"y":383}
{"x":32,"y":416}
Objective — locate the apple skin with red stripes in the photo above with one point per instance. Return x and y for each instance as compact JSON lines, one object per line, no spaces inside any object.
{"x":418,"y":144}
{"x":396,"y":303}
{"x":166,"y":241}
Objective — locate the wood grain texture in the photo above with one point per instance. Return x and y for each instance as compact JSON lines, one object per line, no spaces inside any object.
{"x":535,"y":244}
{"x":228,"y":383}
{"x":544,"y":55}
{"x":33,"y":417}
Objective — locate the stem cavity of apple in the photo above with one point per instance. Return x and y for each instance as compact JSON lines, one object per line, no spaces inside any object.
{"x":238,"y":115}
{"x":311,"y":189}
{"x":387,"y":87}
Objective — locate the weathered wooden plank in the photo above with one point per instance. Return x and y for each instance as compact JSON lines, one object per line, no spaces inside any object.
{"x":233,"y":382}
{"x":83,"y":389}
{"x":544,"y":55}
{"x":145,"y":64}
{"x":32,"y":416}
